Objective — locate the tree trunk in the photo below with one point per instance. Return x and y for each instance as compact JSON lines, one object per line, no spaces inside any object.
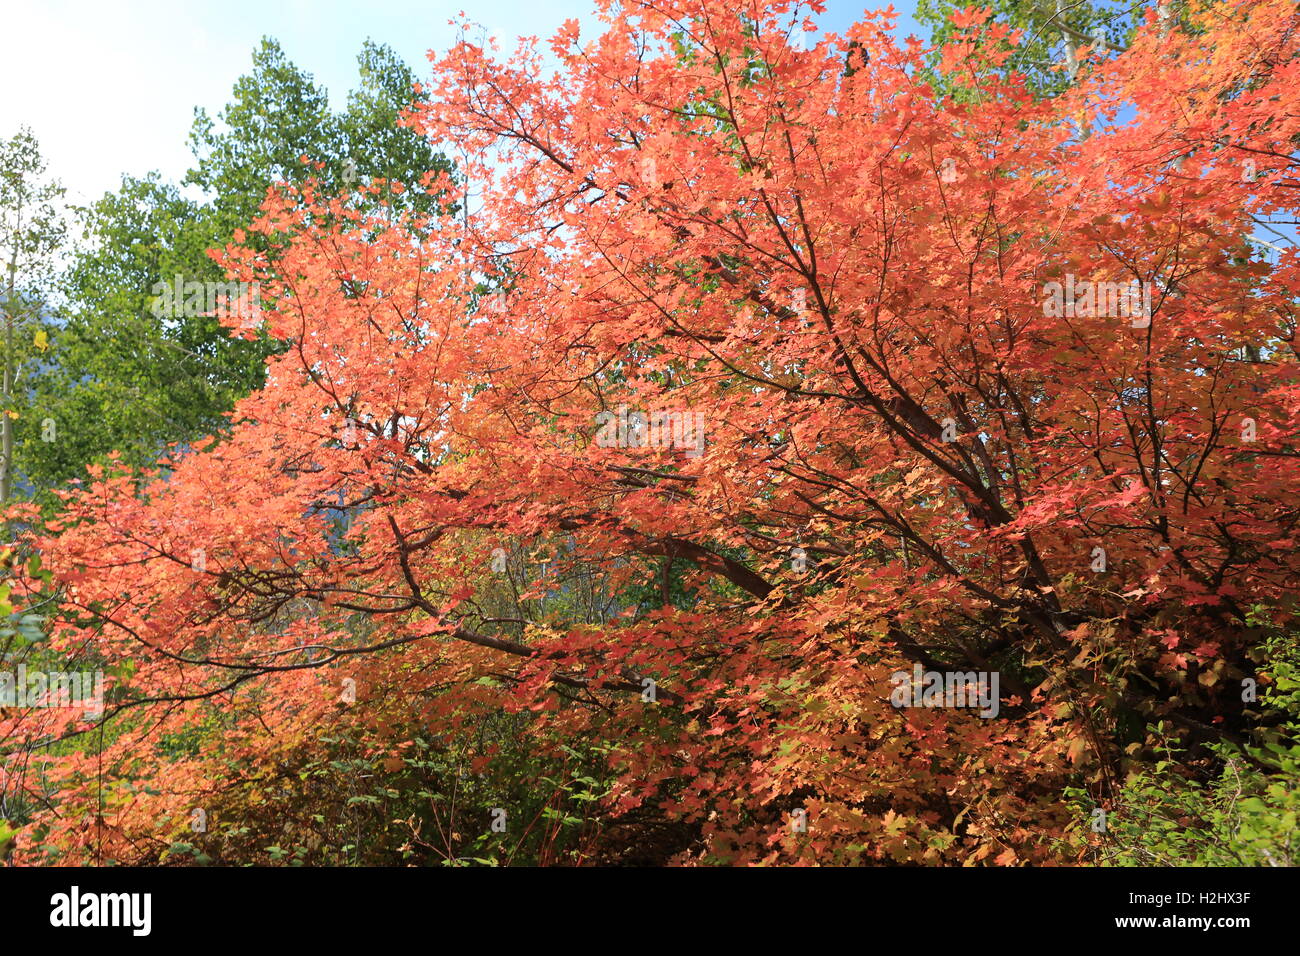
{"x":7,"y":425}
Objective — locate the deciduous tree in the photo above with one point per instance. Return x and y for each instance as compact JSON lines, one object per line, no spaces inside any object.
{"x":929,"y":437}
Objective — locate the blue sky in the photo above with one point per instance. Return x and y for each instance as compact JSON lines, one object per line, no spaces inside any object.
{"x":110,"y":88}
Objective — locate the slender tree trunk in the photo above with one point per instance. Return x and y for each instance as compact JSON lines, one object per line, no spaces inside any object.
{"x":1071,"y":48}
{"x":7,"y":434}
{"x":1072,"y":63}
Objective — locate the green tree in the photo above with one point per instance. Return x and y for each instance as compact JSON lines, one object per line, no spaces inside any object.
{"x":31,"y":231}
{"x":1053,"y":32}
{"x":121,"y":377}
{"x":279,"y":115}
{"x":376,"y":146}
{"x":276,"y":116}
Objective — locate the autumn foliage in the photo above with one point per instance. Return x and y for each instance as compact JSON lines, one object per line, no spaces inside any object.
{"x":908,"y":457}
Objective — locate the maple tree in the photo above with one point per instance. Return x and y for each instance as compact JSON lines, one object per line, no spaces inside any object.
{"x":472,"y":482}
